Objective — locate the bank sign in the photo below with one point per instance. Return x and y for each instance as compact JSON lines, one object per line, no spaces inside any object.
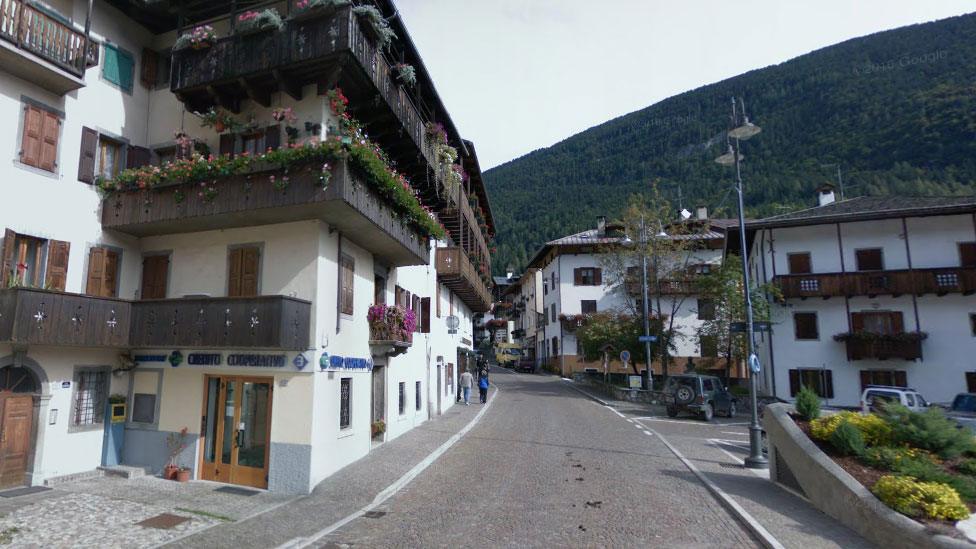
{"x":177,"y":359}
{"x":336,"y":362}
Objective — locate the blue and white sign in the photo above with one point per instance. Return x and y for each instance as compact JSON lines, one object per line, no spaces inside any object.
{"x":300,"y":361}
{"x":625,"y":356}
{"x":754,"y":365}
{"x":350,"y":363}
{"x":149,"y":358}
{"x":647,"y":339}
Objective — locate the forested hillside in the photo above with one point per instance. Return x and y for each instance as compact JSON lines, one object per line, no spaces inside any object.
{"x":896,"y":110}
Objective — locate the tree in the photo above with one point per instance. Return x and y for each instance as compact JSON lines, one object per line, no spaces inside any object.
{"x":614,"y":329}
{"x":722,"y":289}
{"x":669,"y":246}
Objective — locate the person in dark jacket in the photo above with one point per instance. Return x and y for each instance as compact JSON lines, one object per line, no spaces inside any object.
{"x":483,"y":387}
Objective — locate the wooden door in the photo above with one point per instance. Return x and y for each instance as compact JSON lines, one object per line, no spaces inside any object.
{"x":243,"y":271}
{"x":237,"y":430}
{"x":378,"y":411}
{"x":103,"y":268}
{"x":15,"y":438}
{"x":155,"y":269}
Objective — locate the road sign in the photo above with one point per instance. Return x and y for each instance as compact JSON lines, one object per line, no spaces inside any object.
{"x":740,"y":327}
{"x":754,"y":365}
{"x":647,"y":339}
{"x":625,"y":356}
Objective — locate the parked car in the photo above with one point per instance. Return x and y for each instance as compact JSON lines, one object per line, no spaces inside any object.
{"x":700,"y":395}
{"x":874,"y":395}
{"x":963,"y":410}
{"x":526,"y":365}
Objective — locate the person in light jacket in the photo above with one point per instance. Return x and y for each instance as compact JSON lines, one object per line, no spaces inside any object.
{"x":467,"y":380}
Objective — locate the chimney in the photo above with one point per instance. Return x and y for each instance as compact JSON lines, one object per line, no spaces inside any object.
{"x":701,"y":213}
{"x":601,"y":225}
{"x":825,"y":194}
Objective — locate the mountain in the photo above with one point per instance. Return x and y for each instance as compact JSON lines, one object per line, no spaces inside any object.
{"x":896,"y":110}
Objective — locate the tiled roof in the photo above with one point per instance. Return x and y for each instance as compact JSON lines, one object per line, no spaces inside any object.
{"x":871,"y":207}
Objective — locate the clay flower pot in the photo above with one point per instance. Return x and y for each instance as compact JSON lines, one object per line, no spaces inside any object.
{"x":169,"y":472}
{"x":219,"y":126}
{"x":183,"y":475}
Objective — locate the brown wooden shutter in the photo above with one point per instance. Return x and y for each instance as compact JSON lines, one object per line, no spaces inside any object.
{"x":250,"y":265}
{"x":110,"y":287}
{"x":347,"y":285}
{"x":967,"y":254}
{"x":272,"y":137}
{"x":857,"y":322}
{"x":578,"y":276}
{"x":865,"y":379}
{"x":828,"y":383}
{"x":794,"y":382}
{"x":799,"y":263}
{"x":234,"y":272}
{"x":901,"y":378}
{"x":49,"y":142}
{"x":971,"y":382}
{"x":437,"y":298}
{"x":150,"y":68}
{"x":96,"y":272}
{"x":227,"y":141}
{"x":89,"y":148}
{"x":897,"y":322}
{"x":137,"y":157}
{"x":598,"y":276}
{"x":869,"y":259}
{"x":415,"y":307}
{"x":7,"y":267}
{"x":56,"y":276}
{"x":154,"y":275}
{"x":30,"y":149}
{"x":425,"y":315}
{"x":398,"y":296}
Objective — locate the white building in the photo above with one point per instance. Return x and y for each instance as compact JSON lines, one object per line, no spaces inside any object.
{"x":230,"y":303}
{"x":876,"y":291}
{"x":574,"y":285}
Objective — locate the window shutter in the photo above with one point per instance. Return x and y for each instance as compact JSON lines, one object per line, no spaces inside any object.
{"x":425,"y":315}
{"x":971,"y":382}
{"x":250,"y":262}
{"x":86,"y":163}
{"x":234,"y":273}
{"x":577,"y":277}
{"x":828,"y":382}
{"x":347,"y":286}
{"x":57,"y":265}
{"x":398,"y":296}
{"x":272,"y":137}
{"x":901,"y":378}
{"x":227,"y":141}
{"x":96,"y":272}
{"x":897,"y":322}
{"x":967,"y":254}
{"x":794,"y":382}
{"x":799,"y":263}
{"x":598,"y":276}
{"x":150,"y":68}
{"x":865,"y":379}
{"x":7,"y":267}
{"x":137,"y":157}
{"x":30,"y":149}
{"x":49,"y":142}
{"x":110,"y":284}
{"x":857,"y":322}
{"x":154,"y":276}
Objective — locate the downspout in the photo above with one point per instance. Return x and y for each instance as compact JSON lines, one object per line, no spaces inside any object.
{"x":339,"y":283}
{"x":843,"y":270}
{"x":911,"y":274}
{"x":84,"y":51}
{"x":762,"y":254}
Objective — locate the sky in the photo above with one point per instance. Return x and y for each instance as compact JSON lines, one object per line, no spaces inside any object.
{"x":520,"y":75}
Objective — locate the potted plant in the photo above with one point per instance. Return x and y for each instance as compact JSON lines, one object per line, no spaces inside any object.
{"x":405,"y":73}
{"x":253,"y":21}
{"x":378,"y":428}
{"x":307,"y":9}
{"x":176,"y":443}
{"x":376,"y":25}
{"x":199,"y":38}
{"x":183,"y":474}
{"x":219,"y":120}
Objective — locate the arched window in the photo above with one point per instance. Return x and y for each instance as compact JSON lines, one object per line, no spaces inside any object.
{"x":17,"y":379}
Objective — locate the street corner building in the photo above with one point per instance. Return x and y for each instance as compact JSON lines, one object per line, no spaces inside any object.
{"x":248,"y":243}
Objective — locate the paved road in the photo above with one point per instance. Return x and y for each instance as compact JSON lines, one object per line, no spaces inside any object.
{"x":547,"y":467}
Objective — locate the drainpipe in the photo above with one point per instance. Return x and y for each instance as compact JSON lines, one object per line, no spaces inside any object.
{"x":84,"y":51}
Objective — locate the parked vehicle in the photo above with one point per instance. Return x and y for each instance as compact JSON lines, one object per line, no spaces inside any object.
{"x":874,"y":395}
{"x":508,"y":354}
{"x":700,"y":395}
{"x":526,"y":365}
{"x":963,"y":410}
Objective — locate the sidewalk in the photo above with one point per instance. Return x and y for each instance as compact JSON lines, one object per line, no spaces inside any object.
{"x":788,"y":517}
{"x":344,"y":493}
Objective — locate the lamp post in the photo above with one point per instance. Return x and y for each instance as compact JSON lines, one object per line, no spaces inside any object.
{"x":642,"y":241}
{"x":737,"y":133}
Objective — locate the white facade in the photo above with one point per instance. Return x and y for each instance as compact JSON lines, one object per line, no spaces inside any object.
{"x":908,"y":243}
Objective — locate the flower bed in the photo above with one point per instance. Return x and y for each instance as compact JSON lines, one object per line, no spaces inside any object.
{"x":391,"y":323}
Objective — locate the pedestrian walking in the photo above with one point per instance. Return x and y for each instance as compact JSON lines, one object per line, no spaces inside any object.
{"x":467,"y":380}
{"x":483,"y":388}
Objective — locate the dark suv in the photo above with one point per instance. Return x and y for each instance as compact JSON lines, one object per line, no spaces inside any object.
{"x":700,"y":395}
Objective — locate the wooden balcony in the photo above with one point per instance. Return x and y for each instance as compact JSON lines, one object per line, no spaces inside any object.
{"x":883,"y":350}
{"x":871,"y":283}
{"x":263,"y":322}
{"x":40,"y":317}
{"x":249,"y":200}
{"x":459,"y":220}
{"x":40,"y":49}
{"x":667,"y":287}
{"x":332,"y":49}
{"x":455,"y":271}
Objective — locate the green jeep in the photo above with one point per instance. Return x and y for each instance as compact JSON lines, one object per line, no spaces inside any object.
{"x":700,"y":395}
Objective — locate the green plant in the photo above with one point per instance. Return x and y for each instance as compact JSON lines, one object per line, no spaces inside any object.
{"x":847,"y":439}
{"x":967,"y":467}
{"x":406,"y":73}
{"x":870,"y":337}
{"x":252,"y":20}
{"x":116,"y":399}
{"x":920,"y":499}
{"x":304,"y":5}
{"x":874,"y":430}
{"x":198,"y":38}
{"x":380,"y":26}
{"x":929,"y":430}
{"x":807,"y":403}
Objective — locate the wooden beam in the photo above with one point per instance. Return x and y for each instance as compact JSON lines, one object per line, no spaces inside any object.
{"x":287,"y":85}
{"x":330,"y":80}
{"x":228,"y":102}
{"x":261,"y":97}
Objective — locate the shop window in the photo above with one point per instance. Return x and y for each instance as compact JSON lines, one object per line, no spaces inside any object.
{"x":88,"y":406}
{"x":821,"y":381}
{"x":805,"y":326}
{"x":345,"y":403}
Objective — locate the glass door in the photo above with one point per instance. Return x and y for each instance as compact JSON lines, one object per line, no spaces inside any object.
{"x":236,"y":427}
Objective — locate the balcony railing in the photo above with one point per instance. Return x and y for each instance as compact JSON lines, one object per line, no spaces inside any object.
{"x":667,"y":287}
{"x":858,"y":349}
{"x":33,"y":31}
{"x":455,"y":271}
{"x":296,"y":56}
{"x":900,"y":282}
{"x":248,"y":200}
{"x":40,"y":317}
{"x":263,"y":322}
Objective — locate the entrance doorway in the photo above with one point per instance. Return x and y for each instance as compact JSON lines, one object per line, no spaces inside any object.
{"x":237,"y":430}
{"x":17,"y":388}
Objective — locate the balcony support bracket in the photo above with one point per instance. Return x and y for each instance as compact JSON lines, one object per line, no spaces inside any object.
{"x":286,"y":85}
{"x":260,"y":97}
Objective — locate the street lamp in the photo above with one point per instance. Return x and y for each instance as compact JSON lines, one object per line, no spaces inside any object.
{"x":740,"y":132}
{"x":642,"y":239}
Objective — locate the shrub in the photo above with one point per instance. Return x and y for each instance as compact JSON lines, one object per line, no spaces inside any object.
{"x":921,"y":465}
{"x":807,"y":404}
{"x":891,"y":457}
{"x":874,"y":430}
{"x":929,"y":430}
{"x":967,"y":467}
{"x":847,"y":439}
{"x":920,"y":499}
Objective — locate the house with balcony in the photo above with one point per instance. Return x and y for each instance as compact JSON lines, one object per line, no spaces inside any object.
{"x":525,"y":297}
{"x":875,"y":291}
{"x":268,"y":236}
{"x":574,"y":286}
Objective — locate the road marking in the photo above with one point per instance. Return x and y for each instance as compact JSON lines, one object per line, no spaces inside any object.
{"x":683,"y":422}
{"x":732,"y":433}
{"x":398,"y":485}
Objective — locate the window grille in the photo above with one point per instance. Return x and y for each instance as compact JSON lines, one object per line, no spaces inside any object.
{"x":403,"y":397}
{"x":90,"y":398}
{"x":345,"y":415}
{"x":947,"y":280}
{"x":810,"y":285}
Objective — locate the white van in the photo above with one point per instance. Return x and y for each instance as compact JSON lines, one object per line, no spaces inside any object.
{"x":906,"y":396}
